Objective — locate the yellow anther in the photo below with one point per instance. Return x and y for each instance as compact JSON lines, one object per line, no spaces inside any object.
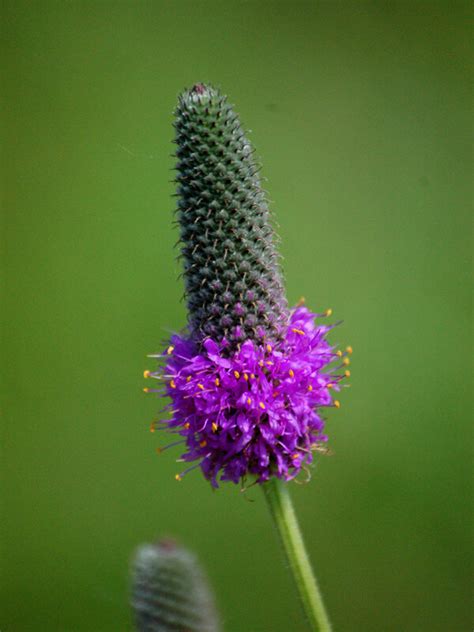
{"x":173,"y":384}
{"x":291,"y":373}
{"x":269,"y":348}
{"x":347,"y":373}
{"x":339,"y":353}
{"x":337,"y":403}
{"x":270,"y":363}
{"x":203,"y":443}
{"x":152,"y":428}
{"x":301,"y":302}
{"x":260,"y":363}
{"x":236,"y":375}
{"x":170,"y":350}
{"x":146,"y":374}
{"x":246,"y":377}
{"x":252,"y":376}
{"x":330,"y":385}
{"x":178,"y":477}
{"x":159,"y":450}
{"x":310,"y":387}
{"x":214,"y":426}
{"x":187,"y":425}
{"x":328,"y":312}
{"x":201,"y":386}
{"x":146,"y":390}
{"x":249,"y":401}
{"x":262,"y":405}
{"x":298,"y":331}
{"x":275,"y":393}
{"x":217,"y":381}
{"x":346,"y":361}
{"x":349,"y":349}
{"x":295,"y":456}
{"x":188,"y":379}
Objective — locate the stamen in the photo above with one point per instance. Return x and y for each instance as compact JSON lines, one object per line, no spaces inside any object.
{"x":146,"y":373}
{"x":188,"y":379}
{"x":301,"y":302}
{"x":237,"y":375}
{"x":328,"y":312}
{"x":298,"y":331}
{"x":346,"y":361}
{"x":249,"y":401}
{"x":262,"y":405}
{"x":347,"y":373}
{"x":170,"y":350}
{"x":217,"y":381}
{"x":349,"y":350}
{"x":291,"y":373}
{"x":269,"y":348}
{"x":146,"y":390}
{"x":203,"y":443}
{"x":339,"y":353}
{"x":246,"y":377}
{"x":337,"y":403}
{"x":201,"y":386}
{"x":310,"y":387}
{"x":173,"y":384}
{"x":214,"y":426}
{"x":170,"y":445}
{"x":179,"y":477}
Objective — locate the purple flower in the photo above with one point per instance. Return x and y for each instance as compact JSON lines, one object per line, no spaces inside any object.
{"x":256,"y":411}
{"x":249,"y":379}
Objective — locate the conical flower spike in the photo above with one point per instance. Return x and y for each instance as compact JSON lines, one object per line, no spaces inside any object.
{"x":250,"y":378}
{"x":233,"y":283}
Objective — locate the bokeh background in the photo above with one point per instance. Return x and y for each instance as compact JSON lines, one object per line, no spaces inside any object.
{"x":360,"y":115}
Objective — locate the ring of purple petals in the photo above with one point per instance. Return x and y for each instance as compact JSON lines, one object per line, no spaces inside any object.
{"x":255,"y":412}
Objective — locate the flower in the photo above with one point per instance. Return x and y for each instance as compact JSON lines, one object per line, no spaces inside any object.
{"x":249,"y":377}
{"x":255,"y":412}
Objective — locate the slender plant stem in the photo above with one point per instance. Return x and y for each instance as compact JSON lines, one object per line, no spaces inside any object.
{"x":284,"y":517}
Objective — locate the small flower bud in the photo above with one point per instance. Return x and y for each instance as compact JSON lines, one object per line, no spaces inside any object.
{"x":170,"y":592}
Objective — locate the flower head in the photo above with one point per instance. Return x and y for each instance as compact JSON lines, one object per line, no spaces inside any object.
{"x":249,"y":379}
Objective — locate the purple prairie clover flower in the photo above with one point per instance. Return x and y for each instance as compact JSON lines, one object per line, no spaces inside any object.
{"x":249,"y":378}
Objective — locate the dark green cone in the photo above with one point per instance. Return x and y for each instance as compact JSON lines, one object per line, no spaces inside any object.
{"x":232,"y":277}
{"x":170,"y":592}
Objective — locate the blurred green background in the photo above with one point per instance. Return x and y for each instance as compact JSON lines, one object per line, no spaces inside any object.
{"x":360,"y":114}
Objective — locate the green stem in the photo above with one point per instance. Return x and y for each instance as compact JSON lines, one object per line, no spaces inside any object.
{"x":284,"y":517}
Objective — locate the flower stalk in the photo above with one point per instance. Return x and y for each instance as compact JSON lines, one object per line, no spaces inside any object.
{"x":284,"y":517}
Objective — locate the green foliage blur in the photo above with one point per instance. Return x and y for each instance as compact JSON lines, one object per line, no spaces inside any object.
{"x":360,"y":113}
